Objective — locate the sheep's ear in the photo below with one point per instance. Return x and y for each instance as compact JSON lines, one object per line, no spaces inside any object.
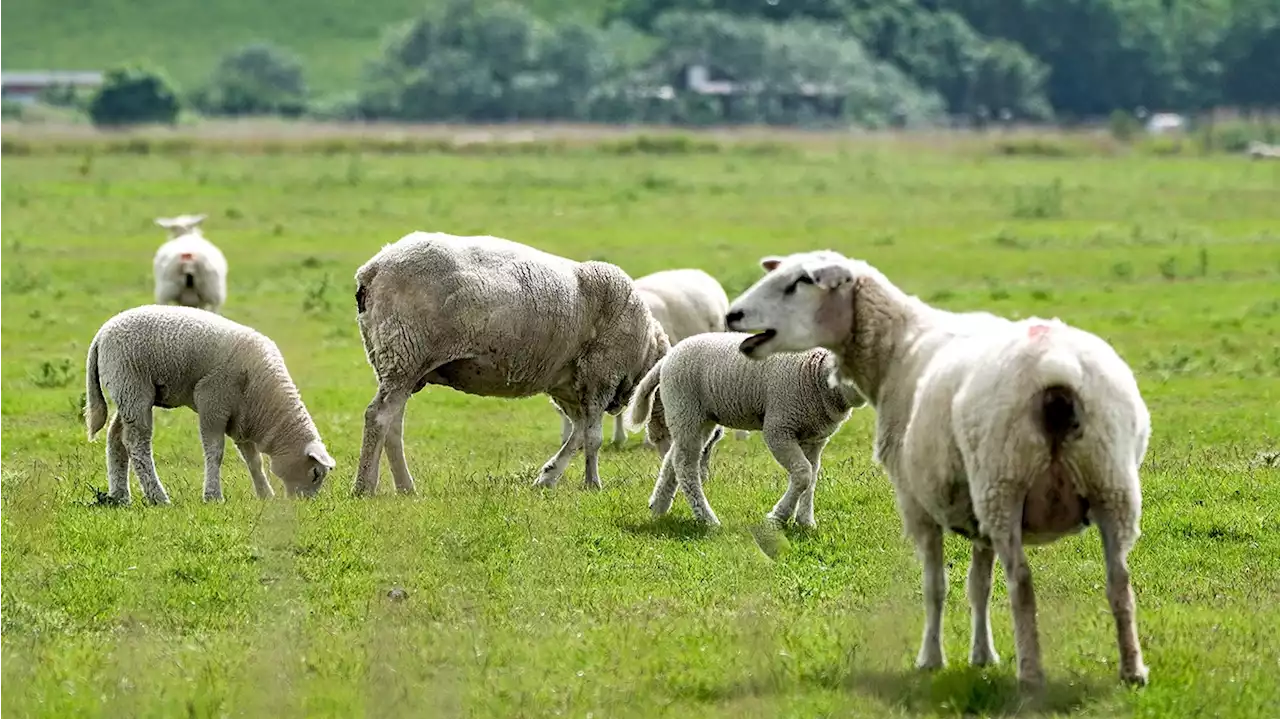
{"x":770,"y":263}
{"x":832,"y":276}
{"x":167,"y":222}
{"x":316,"y":451}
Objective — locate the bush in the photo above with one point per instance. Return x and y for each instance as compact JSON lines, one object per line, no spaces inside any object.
{"x":134,"y":95}
{"x":257,"y":79}
{"x":1123,"y":125}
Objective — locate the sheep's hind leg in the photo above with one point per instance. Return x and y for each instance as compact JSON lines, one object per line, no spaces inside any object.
{"x":213,"y":433}
{"x":1116,"y":543}
{"x":253,"y":460}
{"x":664,"y":490}
{"x":137,"y":437}
{"x":982,"y":649}
{"x":395,"y":453}
{"x":555,"y":467}
{"x":378,"y":416}
{"x":707,"y":451}
{"x":117,"y":462}
{"x":804,"y":509}
{"x":787,"y":452}
{"x":591,"y":442}
{"x":687,"y":459}
{"x":619,"y":430}
{"x":1006,"y":538}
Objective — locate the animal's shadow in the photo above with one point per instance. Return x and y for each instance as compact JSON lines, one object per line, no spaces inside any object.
{"x":977,"y":691}
{"x":669,"y":527}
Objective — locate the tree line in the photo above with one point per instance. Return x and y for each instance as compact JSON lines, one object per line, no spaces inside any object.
{"x":875,"y":63}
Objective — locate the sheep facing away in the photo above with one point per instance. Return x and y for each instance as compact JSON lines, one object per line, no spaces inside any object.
{"x":189,"y":269}
{"x":1007,"y":433}
{"x":685,"y":302}
{"x":495,"y":318}
{"x":231,"y":375}
{"x":706,"y":383}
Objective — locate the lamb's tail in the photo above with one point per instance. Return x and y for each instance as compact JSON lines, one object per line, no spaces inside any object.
{"x":642,"y":402}
{"x":95,"y":408}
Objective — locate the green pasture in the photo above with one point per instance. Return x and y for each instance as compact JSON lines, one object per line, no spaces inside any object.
{"x":483,"y":597}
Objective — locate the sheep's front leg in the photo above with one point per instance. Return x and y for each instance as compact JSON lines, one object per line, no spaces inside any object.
{"x":137,"y":437}
{"x":1006,"y":538}
{"x":804,"y":510}
{"x":253,"y":460}
{"x":928,"y":538}
{"x":1116,"y":543}
{"x":213,"y":434}
{"x":395,"y":453}
{"x":555,"y":467}
{"x":786,"y":450}
{"x":982,"y":649}
{"x":117,"y":462}
{"x":378,"y":416}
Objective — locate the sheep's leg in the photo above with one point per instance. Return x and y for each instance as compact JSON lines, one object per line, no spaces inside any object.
{"x":395,"y":454}
{"x":982,"y":649}
{"x":566,"y":426}
{"x":117,"y":462}
{"x":1007,"y":541}
{"x":137,"y":437}
{"x":787,"y":452}
{"x":619,"y":431}
{"x":664,"y":491}
{"x":1116,"y":543}
{"x":378,"y":417}
{"x":741,"y":434}
{"x":253,"y":460}
{"x":555,"y":467}
{"x":707,"y":451}
{"x":804,"y":509}
{"x":687,"y":452}
{"x":928,"y":538}
{"x":594,"y":437}
{"x":213,"y":435}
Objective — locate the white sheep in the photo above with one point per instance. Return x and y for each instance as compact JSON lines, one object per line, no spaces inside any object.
{"x":1007,"y":433}
{"x":1262,"y":151}
{"x":231,"y":375}
{"x":685,"y":302}
{"x":495,"y":318}
{"x":189,"y":269}
{"x":706,"y":383}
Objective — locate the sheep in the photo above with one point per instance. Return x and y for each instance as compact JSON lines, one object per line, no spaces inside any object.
{"x":495,"y":318}
{"x":706,"y":383}
{"x":685,"y":302}
{"x":231,"y":375}
{"x":189,"y":269}
{"x":1262,"y":151}
{"x":1006,"y":433}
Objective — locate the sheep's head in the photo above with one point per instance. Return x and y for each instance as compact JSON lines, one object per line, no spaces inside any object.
{"x":303,"y":474}
{"x":805,"y":300}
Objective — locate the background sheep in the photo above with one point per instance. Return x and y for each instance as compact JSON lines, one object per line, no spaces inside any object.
{"x":491,"y":317}
{"x":707,"y":383}
{"x":685,"y":302}
{"x":1008,"y":433}
{"x":231,"y":375}
{"x":189,"y":269}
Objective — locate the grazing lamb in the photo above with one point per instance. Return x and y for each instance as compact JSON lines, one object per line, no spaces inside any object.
{"x":189,"y":269}
{"x":495,"y":318}
{"x":706,"y":383}
{"x":232,"y":376}
{"x":1007,"y":433}
{"x":685,"y":303}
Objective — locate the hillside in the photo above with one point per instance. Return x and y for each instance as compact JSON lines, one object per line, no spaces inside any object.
{"x":186,"y":37}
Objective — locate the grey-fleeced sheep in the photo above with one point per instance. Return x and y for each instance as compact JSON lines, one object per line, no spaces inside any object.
{"x":231,"y":375}
{"x":189,"y":269}
{"x":704,"y":383}
{"x":495,"y":318}
{"x":685,"y":302}
{"x":1007,"y":433}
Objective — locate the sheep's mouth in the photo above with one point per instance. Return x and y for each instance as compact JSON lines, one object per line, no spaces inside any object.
{"x":755,"y":341}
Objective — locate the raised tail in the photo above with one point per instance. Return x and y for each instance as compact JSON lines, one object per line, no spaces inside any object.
{"x":642,"y":402}
{"x":95,"y":404}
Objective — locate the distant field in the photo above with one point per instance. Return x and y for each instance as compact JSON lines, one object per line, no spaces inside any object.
{"x":575,"y":603}
{"x":187,"y":37}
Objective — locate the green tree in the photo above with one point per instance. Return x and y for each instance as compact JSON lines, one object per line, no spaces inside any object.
{"x":134,"y":95}
{"x":258,"y":79}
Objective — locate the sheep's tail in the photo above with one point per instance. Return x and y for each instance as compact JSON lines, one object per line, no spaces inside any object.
{"x":95,"y":405}
{"x":642,"y":403}
{"x":1058,"y":403}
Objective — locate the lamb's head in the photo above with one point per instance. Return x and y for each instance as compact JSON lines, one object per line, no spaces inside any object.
{"x":303,"y":473}
{"x":805,"y":300}
{"x":181,"y":225}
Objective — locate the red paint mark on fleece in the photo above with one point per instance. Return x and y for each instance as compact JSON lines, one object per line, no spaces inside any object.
{"x":186,"y":256}
{"x":1035,"y":331}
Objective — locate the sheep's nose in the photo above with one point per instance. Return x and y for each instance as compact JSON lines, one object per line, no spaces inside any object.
{"x":732,"y":317}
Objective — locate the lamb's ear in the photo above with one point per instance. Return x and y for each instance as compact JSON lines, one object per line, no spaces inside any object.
{"x":316,"y":451}
{"x":770,"y":263}
{"x":831,"y":276}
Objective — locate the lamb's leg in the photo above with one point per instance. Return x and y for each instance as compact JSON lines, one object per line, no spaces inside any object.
{"x":707,"y":451}
{"x":594,"y":431}
{"x":928,"y":539}
{"x":664,"y":491}
{"x":253,"y":460}
{"x":619,"y":431}
{"x":387,"y":401}
{"x":395,"y":454}
{"x":566,"y":427}
{"x":1006,"y":538}
{"x":687,"y":451}
{"x":137,"y":437}
{"x":804,"y":510}
{"x":982,"y":650}
{"x":213,"y":434}
{"x":555,"y":467}
{"x":786,"y":450}
{"x":117,"y":462}
{"x":1117,"y":530}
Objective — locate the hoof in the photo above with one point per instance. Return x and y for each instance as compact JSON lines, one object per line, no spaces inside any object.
{"x":213,"y":498}
{"x":1136,"y":678}
{"x":984,"y":659}
{"x":930,"y":664}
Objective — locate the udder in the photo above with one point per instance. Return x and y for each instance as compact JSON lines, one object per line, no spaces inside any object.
{"x":1053,"y":507}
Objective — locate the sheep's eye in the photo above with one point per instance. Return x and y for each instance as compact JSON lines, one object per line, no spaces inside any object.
{"x":791,"y":288}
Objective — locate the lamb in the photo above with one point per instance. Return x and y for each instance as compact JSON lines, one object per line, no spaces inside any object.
{"x":231,"y":375}
{"x":706,"y":383}
{"x":1007,"y":433}
{"x":685,"y":302}
{"x":189,"y":269}
{"x":494,"y":318}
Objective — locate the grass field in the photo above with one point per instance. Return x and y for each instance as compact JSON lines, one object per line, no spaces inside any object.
{"x":518,"y":602}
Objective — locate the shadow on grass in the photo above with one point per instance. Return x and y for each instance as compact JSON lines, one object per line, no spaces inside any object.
{"x":669,"y":527}
{"x":970,"y":690}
